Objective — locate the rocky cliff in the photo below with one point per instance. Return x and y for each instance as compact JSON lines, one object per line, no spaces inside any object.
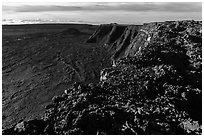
{"x":115,"y":37}
{"x":107,"y":33}
{"x":154,"y":87}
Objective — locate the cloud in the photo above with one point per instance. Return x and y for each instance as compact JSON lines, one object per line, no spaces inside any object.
{"x":140,"y":7}
{"x":40,"y":8}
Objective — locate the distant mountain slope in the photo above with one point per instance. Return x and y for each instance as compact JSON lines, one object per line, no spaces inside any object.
{"x":154,"y":87}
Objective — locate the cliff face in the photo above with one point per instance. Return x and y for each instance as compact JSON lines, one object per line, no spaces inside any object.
{"x":120,"y":46}
{"x":106,"y":33}
{"x":116,"y":38}
{"x":154,"y":87}
{"x":144,"y":36}
{"x":123,"y":41}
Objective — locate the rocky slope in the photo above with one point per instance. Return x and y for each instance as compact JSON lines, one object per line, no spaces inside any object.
{"x":154,"y":86}
{"x":39,"y":65}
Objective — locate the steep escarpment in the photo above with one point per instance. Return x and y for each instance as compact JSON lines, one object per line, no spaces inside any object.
{"x":125,"y":42}
{"x":107,"y":34}
{"x":120,"y":46}
{"x":153,"y":88}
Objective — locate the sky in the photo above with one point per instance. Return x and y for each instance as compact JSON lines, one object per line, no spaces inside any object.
{"x":102,"y":12}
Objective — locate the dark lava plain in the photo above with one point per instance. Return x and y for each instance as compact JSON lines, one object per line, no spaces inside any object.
{"x":41,"y":61}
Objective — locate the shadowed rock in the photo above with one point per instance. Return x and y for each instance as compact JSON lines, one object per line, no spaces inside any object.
{"x":72,"y":31}
{"x":31,"y":127}
{"x":119,"y":47}
{"x":107,"y":33}
{"x":102,"y":31}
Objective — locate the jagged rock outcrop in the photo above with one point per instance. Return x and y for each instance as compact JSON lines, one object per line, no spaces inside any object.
{"x":155,"y":87}
{"x":142,"y":39}
{"x":107,"y":33}
{"x":119,"y":47}
{"x":123,"y":41}
{"x":33,"y":127}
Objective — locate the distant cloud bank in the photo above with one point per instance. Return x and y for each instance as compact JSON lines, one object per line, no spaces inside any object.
{"x":170,"y":7}
{"x":101,"y":12}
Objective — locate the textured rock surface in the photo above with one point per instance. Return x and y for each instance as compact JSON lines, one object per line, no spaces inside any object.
{"x":120,"y":46}
{"x":41,"y":61}
{"x":154,"y":88}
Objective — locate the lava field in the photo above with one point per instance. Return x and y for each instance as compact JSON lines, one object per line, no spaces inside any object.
{"x":154,"y":86}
